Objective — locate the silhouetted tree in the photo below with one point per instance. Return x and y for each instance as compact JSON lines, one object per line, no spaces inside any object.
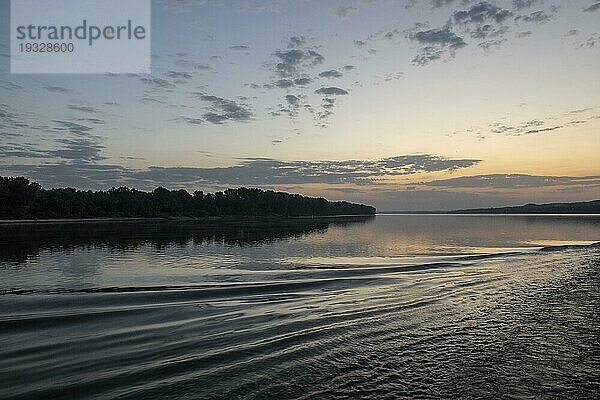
{"x":20,"y":199}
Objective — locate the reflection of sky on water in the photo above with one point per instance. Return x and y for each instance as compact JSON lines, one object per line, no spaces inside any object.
{"x":176,"y":254}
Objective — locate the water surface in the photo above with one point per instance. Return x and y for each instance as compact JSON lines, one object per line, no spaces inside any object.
{"x":393,"y":306}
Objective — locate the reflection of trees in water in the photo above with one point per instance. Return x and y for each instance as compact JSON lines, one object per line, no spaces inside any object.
{"x":19,"y":242}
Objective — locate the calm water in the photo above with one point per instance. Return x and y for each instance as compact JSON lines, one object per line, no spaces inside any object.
{"x":375,"y":308}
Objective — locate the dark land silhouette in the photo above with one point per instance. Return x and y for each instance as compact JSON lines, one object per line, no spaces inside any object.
{"x":22,"y":199}
{"x":582,"y":207}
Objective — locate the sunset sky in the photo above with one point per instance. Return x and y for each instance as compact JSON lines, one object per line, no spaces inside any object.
{"x":405,"y":105}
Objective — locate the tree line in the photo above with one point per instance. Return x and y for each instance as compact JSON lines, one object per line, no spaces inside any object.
{"x":22,"y":199}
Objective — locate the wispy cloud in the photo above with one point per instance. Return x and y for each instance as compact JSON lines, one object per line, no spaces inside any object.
{"x":222,"y":110}
{"x":293,"y":61}
{"x":331,"y":90}
{"x":82,"y":108}
{"x":521,"y":4}
{"x":56,"y":89}
{"x":592,"y":7}
{"x":513,"y":181}
{"x":332,"y":73}
{"x":435,"y":43}
{"x":345,"y":11}
{"x":538,"y":17}
{"x":253,"y":171}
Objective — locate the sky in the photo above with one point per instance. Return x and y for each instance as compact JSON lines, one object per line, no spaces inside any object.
{"x":404,"y":105}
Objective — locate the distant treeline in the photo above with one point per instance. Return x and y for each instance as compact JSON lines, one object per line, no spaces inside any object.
{"x":582,"y":207}
{"x":22,"y":199}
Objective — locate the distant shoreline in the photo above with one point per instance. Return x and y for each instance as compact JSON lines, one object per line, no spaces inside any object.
{"x":482,"y":214}
{"x":576,"y":208}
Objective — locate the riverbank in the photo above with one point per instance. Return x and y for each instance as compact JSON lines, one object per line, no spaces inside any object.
{"x":173,"y":219}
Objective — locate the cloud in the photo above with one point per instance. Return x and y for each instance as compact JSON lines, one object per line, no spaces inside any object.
{"x":332,"y":90}
{"x":79,"y":149}
{"x":592,"y":8}
{"x":536,"y":126}
{"x":388,"y":77}
{"x":343,"y":12}
{"x":196,"y":66}
{"x":393,"y":76}
{"x":483,"y":21}
{"x":239,"y":47}
{"x":488,"y":31}
{"x":152,"y":100}
{"x":76,"y":143}
{"x":524,"y":34}
{"x":492,"y":44}
{"x":292,"y":61}
{"x":69,"y":174}
{"x":328,"y":102}
{"x":524,"y":128}
{"x":12,"y":120}
{"x":435,"y":43}
{"x":332,"y":73}
{"x":193,"y":121}
{"x":303,"y":81}
{"x":591,"y":41}
{"x":223,"y":110}
{"x":56,"y":89}
{"x":291,"y":107}
{"x":21,"y":150}
{"x":248,"y":172}
{"x":82,"y":108}
{"x":327,"y":107}
{"x":8,"y":85}
{"x":95,"y":121}
{"x":540,"y":130}
{"x":441,"y":3}
{"x":512,"y":181}
{"x":391,"y":34}
{"x":427,"y":55}
{"x":73,"y":127}
{"x":292,"y":71}
{"x":292,"y":100}
{"x":283,"y":83}
{"x":178,"y":75}
{"x":537,"y":17}
{"x":482,"y":12}
{"x":292,"y":67}
{"x":359,"y":43}
{"x":158,"y":83}
{"x":442,"y":37}
{"x":580,"y":110}
{"x":296,"y":41}
{"x":265,"y":171}
{"x":521,"y":4}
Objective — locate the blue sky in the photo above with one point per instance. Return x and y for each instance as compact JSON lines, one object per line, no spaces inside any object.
{"x":402,"y":104}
